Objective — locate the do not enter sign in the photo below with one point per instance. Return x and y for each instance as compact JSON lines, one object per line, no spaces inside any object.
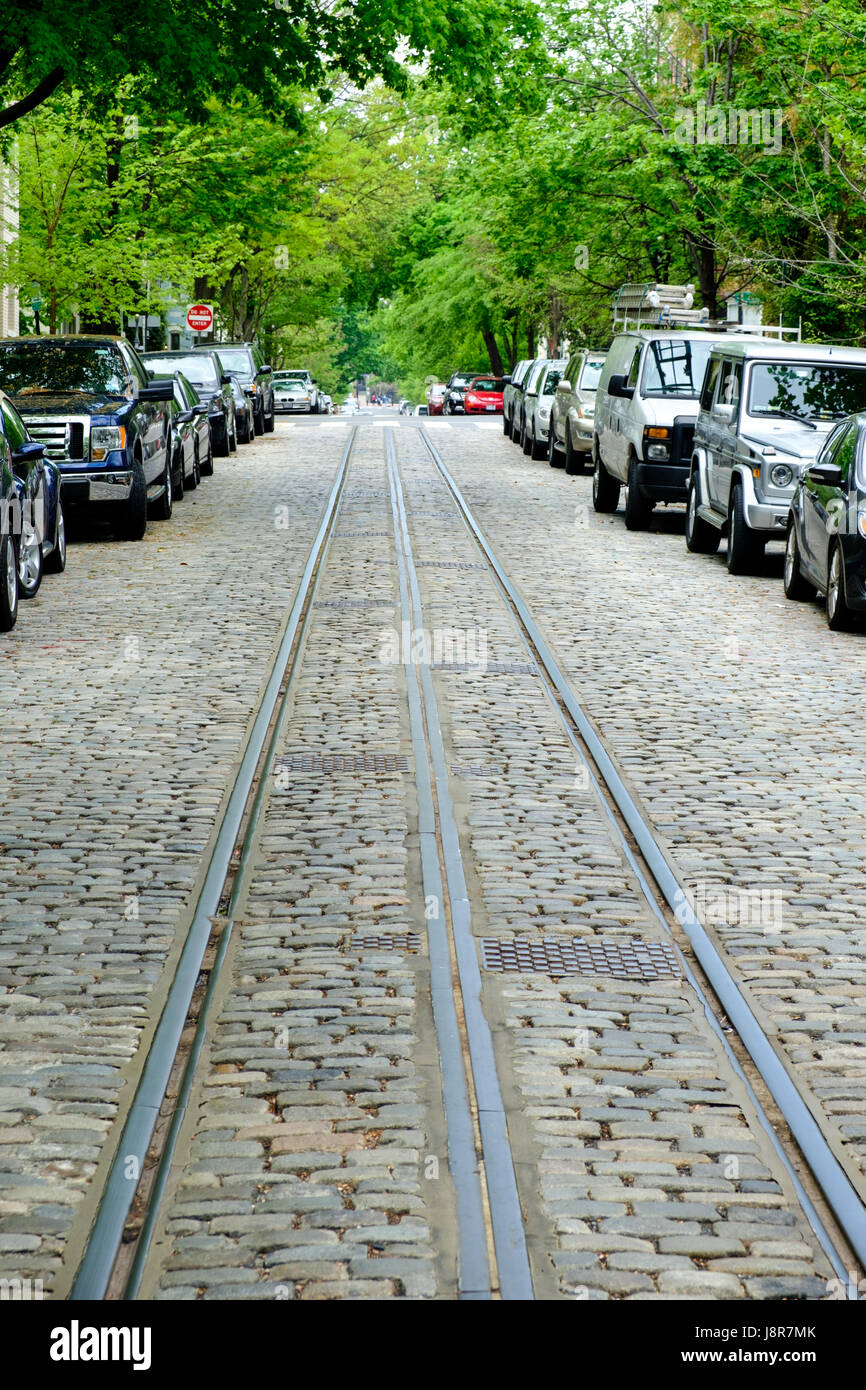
{"x":200,"y":317}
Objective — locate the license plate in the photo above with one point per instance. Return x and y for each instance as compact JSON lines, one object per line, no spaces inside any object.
{"x":490,"y":407}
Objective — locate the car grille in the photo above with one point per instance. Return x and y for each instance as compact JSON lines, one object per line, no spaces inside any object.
{"x":66,"y":441}
{"x":681,"y":443}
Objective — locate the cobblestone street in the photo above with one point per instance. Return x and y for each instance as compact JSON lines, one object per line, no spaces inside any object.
{"x":316,"y":1157}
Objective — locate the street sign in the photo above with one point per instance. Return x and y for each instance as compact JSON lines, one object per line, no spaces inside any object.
{"x":200,"y":317}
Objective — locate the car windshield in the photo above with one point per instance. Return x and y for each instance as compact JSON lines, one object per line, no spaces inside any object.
{"x":199,"y":369}
{"x":591,"y":374}
{"x":675,"y":366}
{"x":487,"y":383}
{"x":60,"y":367}
{"x":293,"y":383}
{"x":806,"y":391}
{"x":236,"y":360}
{"x":459,"y":380}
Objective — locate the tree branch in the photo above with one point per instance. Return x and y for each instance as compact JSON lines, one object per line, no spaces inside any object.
{"x":40,"y":93}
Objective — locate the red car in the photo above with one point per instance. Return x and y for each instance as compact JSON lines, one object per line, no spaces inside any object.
{"x":484,"y":396}
{"x":436,"y":399}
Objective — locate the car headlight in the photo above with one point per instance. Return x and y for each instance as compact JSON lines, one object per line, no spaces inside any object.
{"x":544,"y":412}
{"x":657,"y":451}
{"x":106,"y":439}
{"x":781,"y":475}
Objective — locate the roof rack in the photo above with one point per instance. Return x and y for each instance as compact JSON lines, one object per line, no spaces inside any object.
{"x":672,"y":306}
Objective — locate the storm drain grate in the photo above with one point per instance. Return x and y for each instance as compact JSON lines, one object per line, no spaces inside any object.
{"x":347,"y":535}
{"x":635,"y":960}
{"x":355,"y":603}
{"x":433,"y":511}
{"x":489,"y":668}
{"x":323,"y":764}
{"x":476,"y":770}
{"x":367,"y":492}
{"x":448,"y":565}
{"x":389,"y":941}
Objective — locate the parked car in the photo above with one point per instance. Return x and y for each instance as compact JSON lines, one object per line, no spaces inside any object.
{"x":537,"y":404}
{"x":32,"y":528}
{"x":455,"y":390}
{"x":645,"y":411}
{"x":526,"y":400}
{"x":295,"y":392}
{"x":766,"y":410}
{"x":511,"y":394}
{"x":825,"y":548}
{"x":244,"y":411}
{"x":247,"y":363}
{"x":287,"y":396}
{"x":484,"y":395}
{"x":421,"y":410}
{"x":191,"y":414}
{"x":205,"y":371}
{"x":573,"y":411}
{"x":436,"y":398}
{"x":104,"y":423}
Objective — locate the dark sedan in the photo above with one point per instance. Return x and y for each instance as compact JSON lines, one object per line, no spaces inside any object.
{"x":190,"y":436}
{"x":826,"y":548}
{"x":455,"y":391}
{"x":33,"y":533}
{"x":212,"y":384}
{"x":244,"y":411}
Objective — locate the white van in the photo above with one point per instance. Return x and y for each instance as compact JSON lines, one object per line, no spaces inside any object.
{"x":645,"y":411}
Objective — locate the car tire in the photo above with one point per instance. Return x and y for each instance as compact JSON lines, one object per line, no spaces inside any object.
{"x":839,"y":615}
{"x":506,"y":424}
{"x":233,"y":439}
{"x":605,"y":489}
{"x":206,"y":468}
{"x":268,"y":421}
{"x":30,"y":568}
{"x":795,"y":586}
{"x":638,"y":510}
{"x":220,"y":445}
{"x":515,"y":429}
{"x":55,"y":563}
{"x":552,"y":453}
{"x":131,"y":523}
{"x":180,"y":485}
{"x":8,"y":583}
{"x":701,"y":537}
{"x":537,"y":447}
{"x":573,"y":462}
{"x":195,"y":477}
{"x":162,"y":508}
{"x":745,"y":549}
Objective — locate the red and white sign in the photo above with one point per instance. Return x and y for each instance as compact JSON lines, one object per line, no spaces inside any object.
{"x":200,"y":317}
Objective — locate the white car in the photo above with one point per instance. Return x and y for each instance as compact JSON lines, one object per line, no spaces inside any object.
{"x":295,"y":392}
{"x":421,"y":410}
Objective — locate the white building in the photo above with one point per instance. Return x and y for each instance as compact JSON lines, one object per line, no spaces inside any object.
{"x":8,"y":234}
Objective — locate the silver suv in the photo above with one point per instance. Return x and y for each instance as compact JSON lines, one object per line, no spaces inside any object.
{"x":765,"y":410}
{"x":573,"y":410}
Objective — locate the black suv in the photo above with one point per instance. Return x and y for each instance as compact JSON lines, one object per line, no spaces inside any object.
{"x":105,"y":424}
{"x":247,"y":363}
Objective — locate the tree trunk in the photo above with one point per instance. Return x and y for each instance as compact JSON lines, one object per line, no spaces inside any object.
{"x":492,"y":351}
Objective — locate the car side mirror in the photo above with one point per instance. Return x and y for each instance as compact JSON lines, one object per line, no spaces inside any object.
{"x":225,"y":379}
{"x":183,"y":417}
{"x":565,"y":386}
{"x":506,"y":380}
{"x":263,"y":370}
{"x":617,"y":387}
{"x":28,"y":452}
{"x":825,"y":474}
{"x":158,"y":390}
{"x":725,"y":411}
{"x":200,"y":409}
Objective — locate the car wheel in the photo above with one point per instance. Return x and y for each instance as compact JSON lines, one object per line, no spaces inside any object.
{"x":180,"y":484}
{"x":161,"y":509}
{"x":8,"y":584}
{"x":537,"y":449}
{"x":56,"y":561}
{"x":29,"y":561}
{"x":515,"y":429}
{"x":195,"y":476}
{"x":506,"y":424}
{"x":220,"y":446}
{"x":131,"y":523}
{"x":205,"y":466}
{"x":638,"y":510}
{"x":573,"y":463}
{"x":796,"y":587}
{"x":605,"y":489}
{"x":552,"y":455}
{"x":233,"y":439}
{"x":839,"y":615}
{"x":268,"y":421}
{"x":745,"y":548}
{"x":701,"y":537}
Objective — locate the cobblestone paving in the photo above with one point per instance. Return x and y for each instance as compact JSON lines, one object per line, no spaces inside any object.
{"x":313,"y":1163}
{"x":734,"y":715}
{"x":127,"y":686}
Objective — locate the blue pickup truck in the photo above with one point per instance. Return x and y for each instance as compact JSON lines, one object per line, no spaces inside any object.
{"x":104,"y":422}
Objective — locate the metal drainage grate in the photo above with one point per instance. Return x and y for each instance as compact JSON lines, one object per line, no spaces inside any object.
{"x":636,"y":960}
{"x":389,"y":941}
{"x":489,"y":668}
{"x":347,"y":535}
{"x":432,"y":511}
{"x":324,"y":763}
{"x":368,"y":492}
{"x":476,"y":770}
{"x":448,"y":565}
{"x":355,"y":603}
